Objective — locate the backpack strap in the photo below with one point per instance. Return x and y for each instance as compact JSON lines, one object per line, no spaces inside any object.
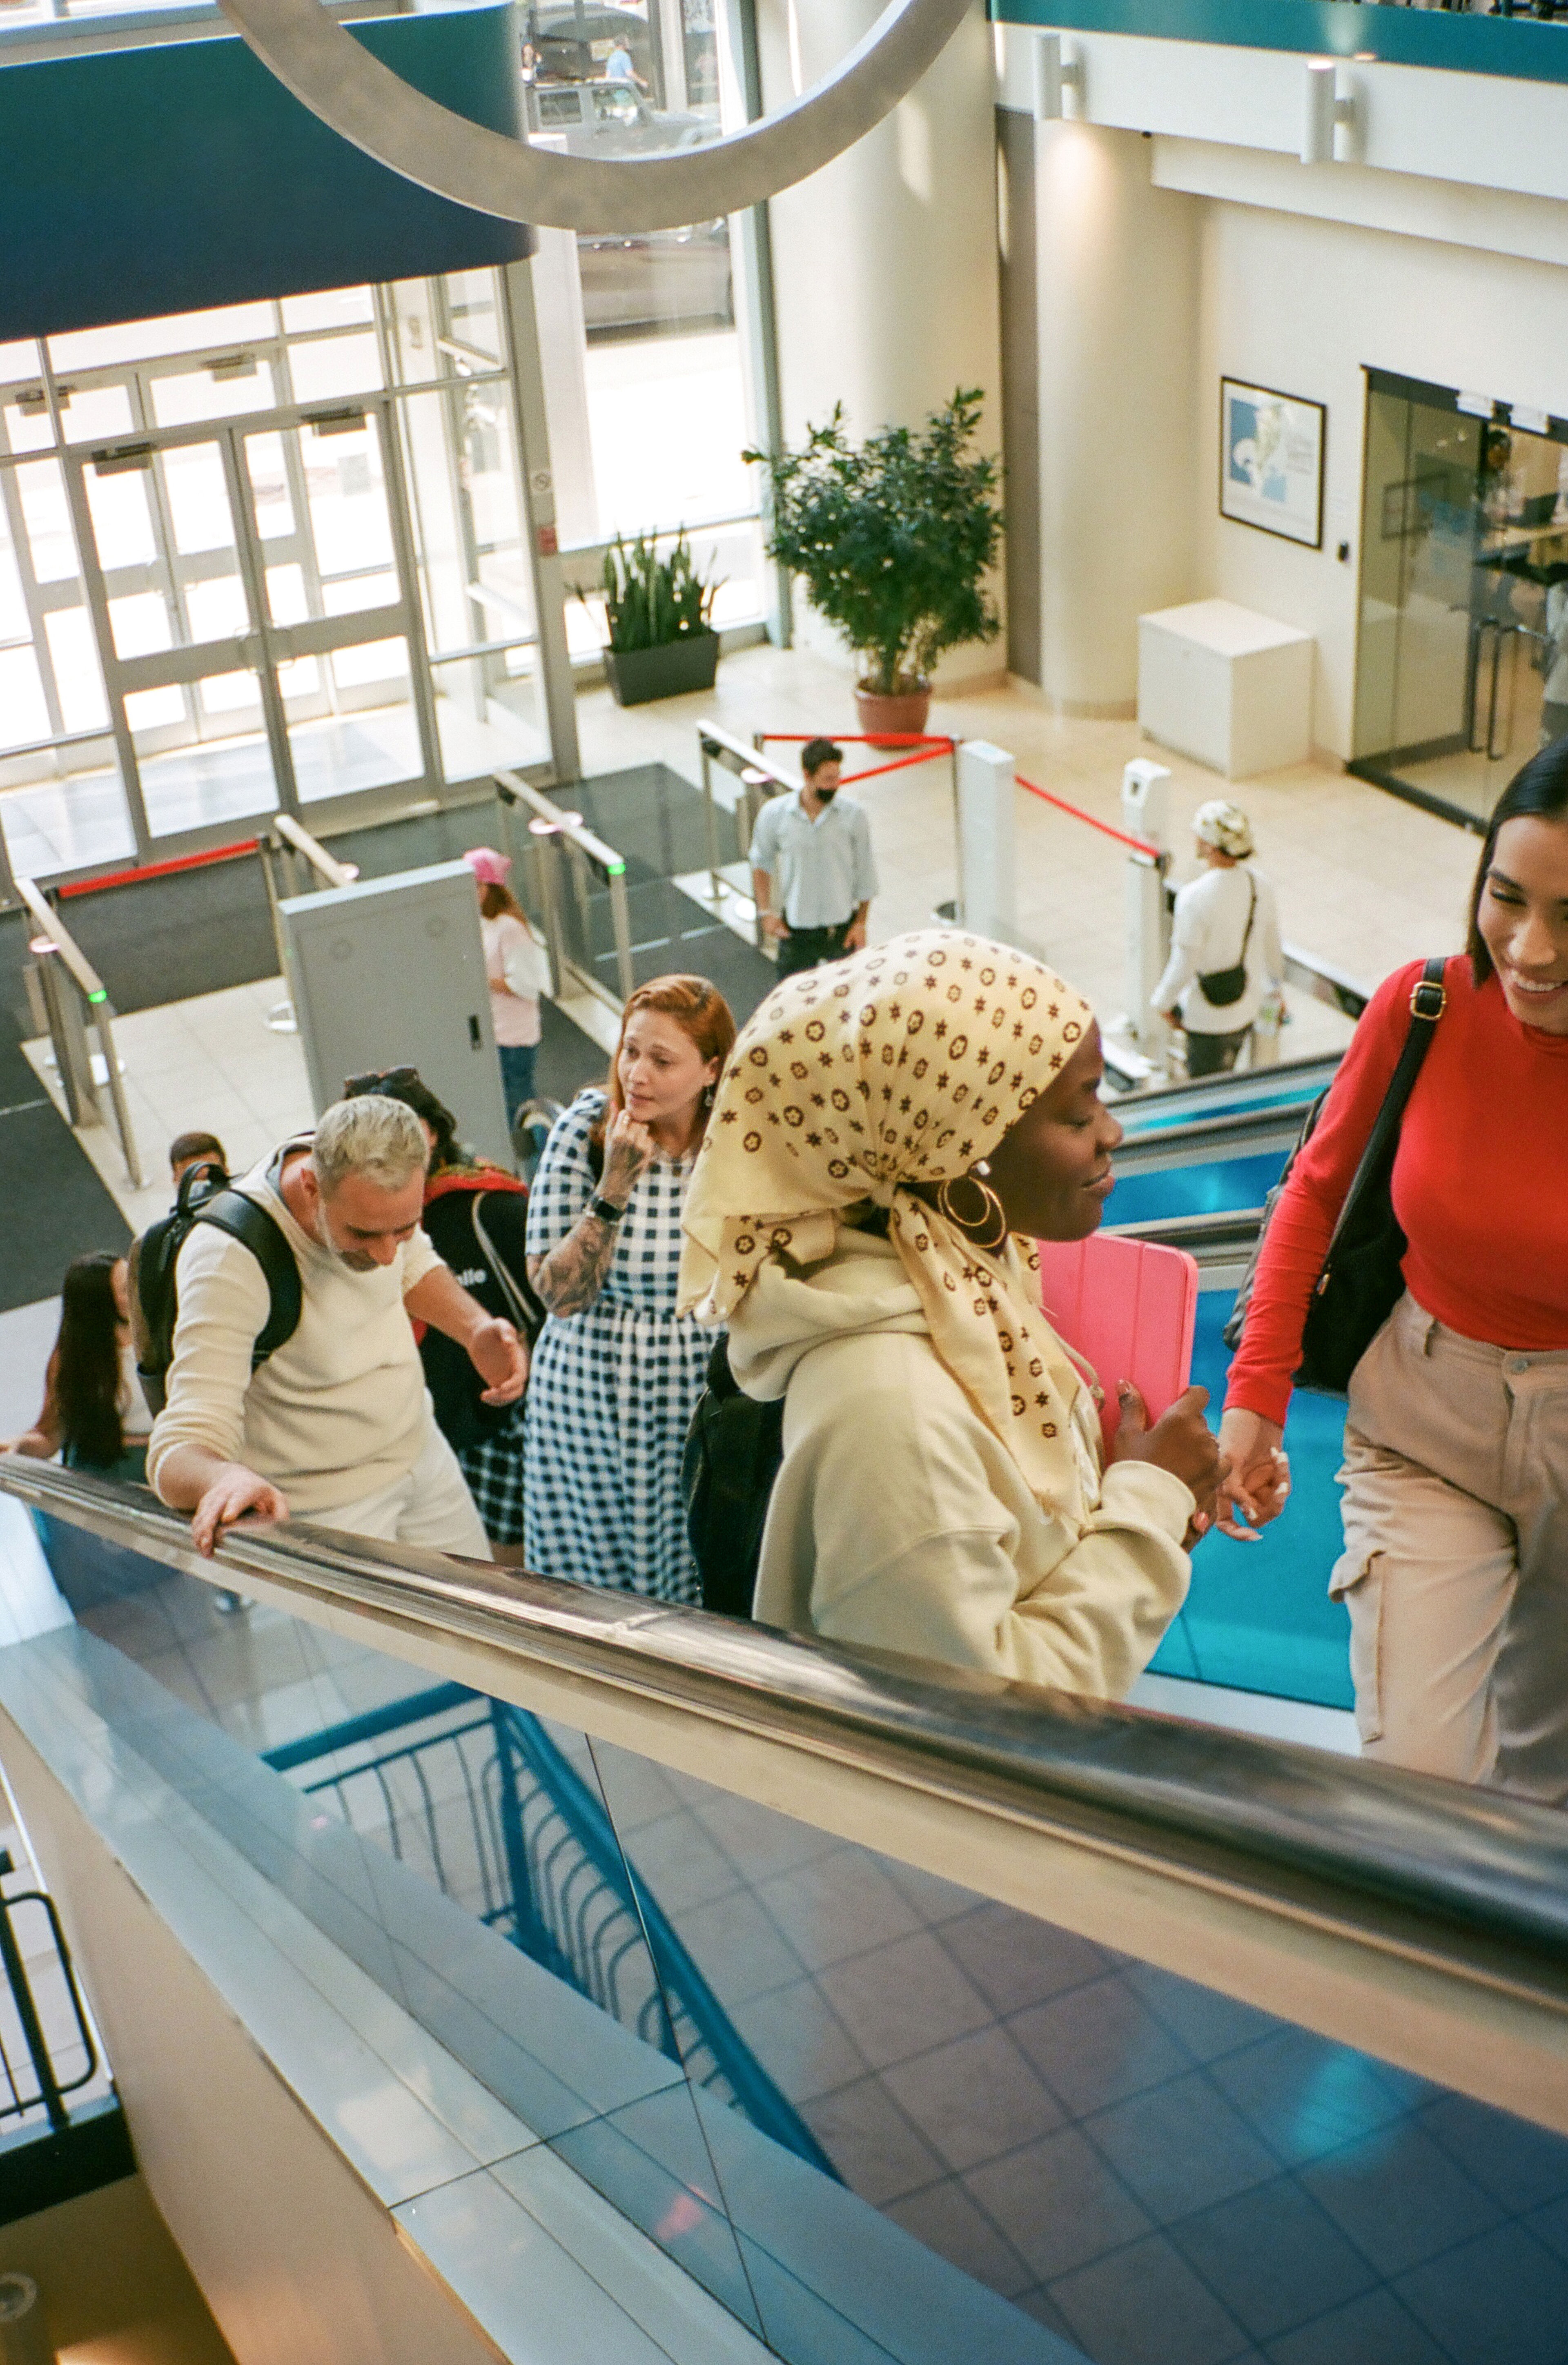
{"x":244,"y":1220}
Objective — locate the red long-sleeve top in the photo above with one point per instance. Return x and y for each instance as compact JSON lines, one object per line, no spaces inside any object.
{"x":1478,"y":1182}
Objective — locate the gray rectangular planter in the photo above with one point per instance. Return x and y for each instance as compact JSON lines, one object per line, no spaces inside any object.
{"x":636,"y":676}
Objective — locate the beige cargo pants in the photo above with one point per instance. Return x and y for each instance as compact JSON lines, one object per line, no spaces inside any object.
{"x":1455,"y":1569}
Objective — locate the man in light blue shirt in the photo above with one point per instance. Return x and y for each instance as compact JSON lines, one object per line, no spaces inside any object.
{"x":812,"y":871}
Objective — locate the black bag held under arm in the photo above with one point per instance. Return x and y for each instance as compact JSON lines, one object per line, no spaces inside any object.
{"x":733,"y":1449}
{"x":1224,"y":986}
{"x":1360,"y":1283}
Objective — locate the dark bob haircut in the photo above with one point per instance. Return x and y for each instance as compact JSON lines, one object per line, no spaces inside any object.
{"x":1538,"y":792}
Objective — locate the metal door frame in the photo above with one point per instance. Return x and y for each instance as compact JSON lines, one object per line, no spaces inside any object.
{"x":266,"y":645}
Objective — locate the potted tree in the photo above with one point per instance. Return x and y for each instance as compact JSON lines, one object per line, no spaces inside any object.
{"x":657,"y":611}
{"x":892,"y":539}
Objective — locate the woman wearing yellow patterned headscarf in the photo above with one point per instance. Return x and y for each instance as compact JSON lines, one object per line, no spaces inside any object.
{"x":889,"y":1133}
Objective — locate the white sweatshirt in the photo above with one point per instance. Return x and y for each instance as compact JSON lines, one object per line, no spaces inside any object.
{"x":1206,"y":933}
{"x":899,"y":1518}
{"x":340,"y":1410}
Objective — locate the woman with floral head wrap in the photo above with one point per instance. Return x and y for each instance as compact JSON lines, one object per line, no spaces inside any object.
{"x":890,"y":1134}
{"x":1225,"y":942}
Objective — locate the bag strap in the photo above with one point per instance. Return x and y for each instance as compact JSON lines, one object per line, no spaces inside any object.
{"x":1251,"y":915}
{"x":1428,"y":1000}
{"x":524,"y":1316}
{"x":244,"y":1220}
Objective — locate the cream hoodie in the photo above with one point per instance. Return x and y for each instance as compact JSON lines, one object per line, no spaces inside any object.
{"x":899,"y":1518}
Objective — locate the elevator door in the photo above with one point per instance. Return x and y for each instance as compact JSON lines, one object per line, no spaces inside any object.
{"x":1462,"y":650}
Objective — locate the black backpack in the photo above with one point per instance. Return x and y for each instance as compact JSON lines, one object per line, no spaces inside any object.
{"x":734,"y":1448}
{"x":205,"y":1198}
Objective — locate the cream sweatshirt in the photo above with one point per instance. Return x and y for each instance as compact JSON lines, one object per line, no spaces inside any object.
{"x":899,"y":1518}
{"x":340,"y":1410}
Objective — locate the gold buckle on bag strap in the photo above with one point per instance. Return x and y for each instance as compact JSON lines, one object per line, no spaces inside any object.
{"x":1437,"y":1000}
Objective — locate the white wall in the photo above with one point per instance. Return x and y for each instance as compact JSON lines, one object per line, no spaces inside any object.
{"x":1118,"y":299}
{"x":1303,"y":305}
{"x":885,"y":262}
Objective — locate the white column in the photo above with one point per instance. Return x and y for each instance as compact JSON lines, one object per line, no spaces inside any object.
{"x":885,"y":262}
{"x":988,"y":841}
{"x":1119,"y":328}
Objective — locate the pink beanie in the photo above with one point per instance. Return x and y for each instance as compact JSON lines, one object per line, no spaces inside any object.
{"x":490,"y":868}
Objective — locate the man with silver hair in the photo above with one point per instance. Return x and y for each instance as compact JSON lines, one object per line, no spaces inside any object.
{"x":1226,"y":954}
{"x":335,"y":1424}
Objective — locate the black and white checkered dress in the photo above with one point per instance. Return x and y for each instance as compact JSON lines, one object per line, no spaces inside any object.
{"x":613,"y":1388}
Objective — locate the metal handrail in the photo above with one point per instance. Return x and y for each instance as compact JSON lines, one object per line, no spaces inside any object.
{"x":333,"y":872}
{"x":752,"y":767}
{"x":1387,"y":1908}
{"x":66,"y":1031}
{"x":552,"y":824}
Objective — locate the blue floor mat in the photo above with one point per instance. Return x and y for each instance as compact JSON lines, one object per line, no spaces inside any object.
{"x":1259,"y":1617}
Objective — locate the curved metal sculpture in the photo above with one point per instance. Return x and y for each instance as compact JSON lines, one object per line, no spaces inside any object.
{"x":368,"y":104}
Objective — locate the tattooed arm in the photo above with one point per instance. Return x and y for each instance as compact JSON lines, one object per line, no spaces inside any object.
{"x":570,"y":1277}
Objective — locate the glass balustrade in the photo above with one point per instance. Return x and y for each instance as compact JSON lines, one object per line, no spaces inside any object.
{"x":878,"y":2114}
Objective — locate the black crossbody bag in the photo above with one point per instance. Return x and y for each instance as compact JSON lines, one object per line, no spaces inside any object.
{"x":1224,"y":986}
{"x":1360,"y":1283}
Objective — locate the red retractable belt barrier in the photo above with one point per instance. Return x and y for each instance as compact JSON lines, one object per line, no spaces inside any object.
{"x":932,"y":743}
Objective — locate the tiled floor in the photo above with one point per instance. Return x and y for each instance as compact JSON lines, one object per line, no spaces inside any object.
{"x":1162,"y":2175}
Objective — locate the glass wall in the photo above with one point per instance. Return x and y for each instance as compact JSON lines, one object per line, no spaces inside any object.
{"x":1463,"y":654}
{"x":271,"y":557}
{"x":646,"y":365}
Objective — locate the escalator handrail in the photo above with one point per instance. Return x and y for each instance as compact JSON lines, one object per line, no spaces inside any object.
{"x":1472,"y":1880}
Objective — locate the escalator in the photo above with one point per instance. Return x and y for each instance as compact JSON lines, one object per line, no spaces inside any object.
{"x":1193,"y":1172}
{"x":909,"y":2017}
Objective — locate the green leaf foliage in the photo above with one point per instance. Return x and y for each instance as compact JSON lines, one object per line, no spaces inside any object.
{"x":649,"y":600}
{"x":892,"y":537}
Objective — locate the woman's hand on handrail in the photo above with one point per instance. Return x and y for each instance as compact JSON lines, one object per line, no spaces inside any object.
{"x":571,"y":1276}
{"x":1256,"y":1485}
{"x":1180,"y":1440}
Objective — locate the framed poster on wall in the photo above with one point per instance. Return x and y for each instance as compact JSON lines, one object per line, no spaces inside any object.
{"x":1271,"y":461}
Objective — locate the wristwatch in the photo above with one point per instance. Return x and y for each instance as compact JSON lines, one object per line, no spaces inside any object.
{"x":605,"y":1209}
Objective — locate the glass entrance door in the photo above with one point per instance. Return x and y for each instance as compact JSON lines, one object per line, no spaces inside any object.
{"x":258,"y":614}
{"x":1462,"y":654}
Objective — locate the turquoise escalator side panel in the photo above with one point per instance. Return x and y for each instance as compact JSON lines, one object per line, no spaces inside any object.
{"x":1212,"y":1187}
{"x":1259,"y":1617}
{"x":182,"y":175}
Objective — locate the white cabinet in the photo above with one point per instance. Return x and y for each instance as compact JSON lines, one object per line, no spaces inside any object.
{"x":1225,"y":685}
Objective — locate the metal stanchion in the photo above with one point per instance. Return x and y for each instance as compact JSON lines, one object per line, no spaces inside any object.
{"x":80,"y":1000}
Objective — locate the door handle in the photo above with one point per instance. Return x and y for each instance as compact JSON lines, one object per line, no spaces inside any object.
{"x":476,"y":1040}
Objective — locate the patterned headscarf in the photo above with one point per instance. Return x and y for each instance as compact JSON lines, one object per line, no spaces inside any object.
{"x":905,"y":1064}
{"x":1224,"y":826}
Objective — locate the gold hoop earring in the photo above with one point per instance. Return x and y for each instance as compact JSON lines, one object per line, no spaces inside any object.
{"x":991,"y":1211}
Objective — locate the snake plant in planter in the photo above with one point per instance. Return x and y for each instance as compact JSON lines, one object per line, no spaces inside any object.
{"x":658,"y":612}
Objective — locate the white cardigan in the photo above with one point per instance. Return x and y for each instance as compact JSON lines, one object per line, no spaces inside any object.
{"x":899,"y":1518}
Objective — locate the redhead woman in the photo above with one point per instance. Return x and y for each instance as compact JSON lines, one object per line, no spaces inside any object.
{"x":891,"y":1136}
{"x":617,"y":1372}
{"x":1455,"y":1568}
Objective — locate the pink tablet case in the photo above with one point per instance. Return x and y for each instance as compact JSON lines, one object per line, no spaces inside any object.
{"x":1128,"y":1308}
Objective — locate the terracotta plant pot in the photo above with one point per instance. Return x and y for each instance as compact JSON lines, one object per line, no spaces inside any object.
{"x":901,"y":715}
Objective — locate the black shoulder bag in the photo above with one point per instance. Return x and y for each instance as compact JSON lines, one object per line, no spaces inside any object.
{"x":1224,"y":986}
{"x":1360,"y":1283}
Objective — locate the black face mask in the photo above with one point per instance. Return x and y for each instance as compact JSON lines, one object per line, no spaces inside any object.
{"x":823,"y":796}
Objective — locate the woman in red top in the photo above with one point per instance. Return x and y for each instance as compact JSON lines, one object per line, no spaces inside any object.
{"x":1455,"y":1568}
